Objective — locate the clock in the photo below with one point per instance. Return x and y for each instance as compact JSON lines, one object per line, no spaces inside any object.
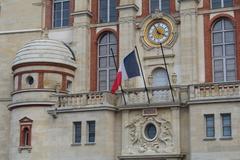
{"x":158,"y":31}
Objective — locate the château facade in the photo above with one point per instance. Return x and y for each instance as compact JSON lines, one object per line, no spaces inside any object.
{"x":57,"y":68}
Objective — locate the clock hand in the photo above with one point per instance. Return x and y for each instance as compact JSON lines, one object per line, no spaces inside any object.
{"x":159,"y":32}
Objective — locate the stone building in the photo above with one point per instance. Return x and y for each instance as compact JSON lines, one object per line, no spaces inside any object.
{"x":57,"y":70}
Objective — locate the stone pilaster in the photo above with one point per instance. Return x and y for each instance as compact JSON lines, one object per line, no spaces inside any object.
{"x":81,"y":44}
{"x":188,"y":41}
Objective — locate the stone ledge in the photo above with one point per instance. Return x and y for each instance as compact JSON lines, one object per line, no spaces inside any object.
{"x":154,"y":157}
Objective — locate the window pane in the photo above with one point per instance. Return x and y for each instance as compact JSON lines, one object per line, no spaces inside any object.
{"x":103,"y":62}
{"x":218,"y":65}
{"x":226,"y":131}
{"x":102,"y":80}
{"x":103,"y":40}
{"x":102,"y":50}
{"x":154,"y":5}
{"x":227,"y":25}
{"x":113,"y":11}
{"x":57,"y":6}
{"x":112,"y":38}
{"x":209,"y":125}
{"x":218,"y":77}
{"x":103,"y":11}
{"x":111,"y":62}
{"x":77,"y":130}
{"x":91,"y":131}
{"x":66,"y":5}
{"x":218,"y":26}
{"x":114,"y":49}
{"x":210,"y":132}
{"x":217,"y":51}
{"x":230,"y":49}
{"x":230,"y":64}
{"x":229,"y":37}
{"x":217,"y":38}
{"x":112,"y":76}
{"x":57,"y":23}
{"x":216,"y":4}
{"x":228,"y":3}
{"x":65,"y":22}
{"x":166,"y":6}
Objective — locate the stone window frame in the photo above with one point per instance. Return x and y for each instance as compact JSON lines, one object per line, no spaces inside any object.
{"x":49,"y":14}
{"x":224,"y":57}
{"x":226,"y":126}
{"x":79,"y":134}
{"x":25,"y":144}
{"x":108,"y":68}
{"x":90,"y":133}
{"x":212,"y":127}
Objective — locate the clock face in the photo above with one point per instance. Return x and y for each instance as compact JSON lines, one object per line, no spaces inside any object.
{"x":158,"y":32}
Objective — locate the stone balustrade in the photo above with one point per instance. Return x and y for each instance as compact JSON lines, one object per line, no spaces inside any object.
{"x":157,"y":95}
{"x":214,"y":90}
{"x":84,"y":99}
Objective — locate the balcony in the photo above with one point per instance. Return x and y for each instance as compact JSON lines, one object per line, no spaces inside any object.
{"x":158,"y":96}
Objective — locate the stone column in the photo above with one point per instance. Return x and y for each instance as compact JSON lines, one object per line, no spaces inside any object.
{"x":127,"y":29}
{"x":188,"y":42}
{"x":81,"y":44}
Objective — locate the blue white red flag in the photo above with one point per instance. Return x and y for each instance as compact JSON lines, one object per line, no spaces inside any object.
{"x":128,"y":69}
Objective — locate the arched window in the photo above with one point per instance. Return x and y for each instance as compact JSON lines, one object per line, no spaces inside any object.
{"x":106,"y":66}
{"x":223,"y":51}
{"x":160,"y":77}
{"x":162,"y":5}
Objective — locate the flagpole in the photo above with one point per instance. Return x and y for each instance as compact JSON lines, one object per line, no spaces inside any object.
{"x":124,"y":99}
{"x":165,"y":64}
{"x":142,"y":75}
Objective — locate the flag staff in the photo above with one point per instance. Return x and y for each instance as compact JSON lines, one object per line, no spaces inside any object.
{"x":165,"y":64}
{"x":124,"y":99}
{"x":142,"y":75}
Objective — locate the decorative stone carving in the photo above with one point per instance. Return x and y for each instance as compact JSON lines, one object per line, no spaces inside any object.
{"x":138,"y":143}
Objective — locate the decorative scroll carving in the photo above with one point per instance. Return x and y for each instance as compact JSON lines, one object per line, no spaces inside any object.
{"x":163,"y":143}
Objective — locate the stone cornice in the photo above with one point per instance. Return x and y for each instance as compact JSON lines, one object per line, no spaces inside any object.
{"x":155,"y":157}
{"x":128,"y":6}
{"x":80,"y":13}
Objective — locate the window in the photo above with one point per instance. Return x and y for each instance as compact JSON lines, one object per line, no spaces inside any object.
{"x":25,"y":132}
{"x":226,"y":125}
{"x":223,"y":51}
{"x":61,"y":13}
{"x":162,"y":5}
{"x":107,"y":11}
{"x":150,"y":131}
{"x":77,"y":132}
{"x":210,"y":129}
{"x":106,"y":66}
{"x":221,"y":3}
{"x":91,"y":131}
{"x":159,"y":77}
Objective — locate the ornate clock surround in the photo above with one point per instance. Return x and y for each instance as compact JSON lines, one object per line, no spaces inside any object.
{"x":150,"y":21}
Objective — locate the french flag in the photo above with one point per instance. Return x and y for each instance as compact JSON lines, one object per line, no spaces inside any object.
{"x":128,"y":69}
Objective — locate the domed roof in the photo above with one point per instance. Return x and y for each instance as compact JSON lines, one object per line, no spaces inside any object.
{"x":45,"y":50}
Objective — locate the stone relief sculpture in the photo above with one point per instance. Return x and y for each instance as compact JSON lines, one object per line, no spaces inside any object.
{"x":161,"y":143}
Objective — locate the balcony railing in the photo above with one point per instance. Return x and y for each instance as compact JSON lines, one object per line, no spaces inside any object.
{"x":209,"y":91}
{"x":157,"y":95}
